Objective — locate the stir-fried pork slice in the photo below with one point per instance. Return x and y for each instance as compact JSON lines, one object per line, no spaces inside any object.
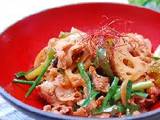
{"x":67,"y":94}
{"x":59,"y":109}
{"x":81,"y":112}
{"x":154,"y":92}
{"x":75,"y":79}
{"x":103,"y":115}
{"x":47,"y":89}
{"x":51,"y":74}
{"x":100,"y":83}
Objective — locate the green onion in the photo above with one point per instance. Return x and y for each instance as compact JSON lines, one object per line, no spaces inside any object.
{"x":121,"y":108}
{"x":90,"y":98}
{"x":101,"y":61}
{"x":130,"y":108}
{"x":31,"y":74}
{"x":135,"y":87}
{"x":50,"y":57}
{"x":117,"y":95}
{"x":129,"y":90}
{"x":34,"y":73}
{"x":111,"y":92}
{"x":23,"y":81}
{"x":20,"y":74}
{"x":91,"y":93}
{"x":113,"y":109}
{"x":142,"y":85}
{"x":108,"y":97}
{"x":141,"y":94}
{"x":85,"y":76}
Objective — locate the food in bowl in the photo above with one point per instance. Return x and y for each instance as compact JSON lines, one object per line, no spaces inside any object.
{"x":100,"y":74}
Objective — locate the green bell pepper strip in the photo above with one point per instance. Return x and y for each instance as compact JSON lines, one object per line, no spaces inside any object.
{"x":101,"y":61}
{"x":50,"y":57}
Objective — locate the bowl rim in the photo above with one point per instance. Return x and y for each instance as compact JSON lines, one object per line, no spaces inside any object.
{"x":37,"y":111}
{"x":75,"y":4}
{"x":11,"y":99}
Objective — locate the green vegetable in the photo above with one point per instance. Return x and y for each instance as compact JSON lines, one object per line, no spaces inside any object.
{"x":31,"y":74}
{"x":50,"y":57}
{"x":121,"y":108}
{"x":20,"y":74}
{"x":23,"y":81}
{"x":129,"y":90}
{"x":117,"y":95}
{"x":34,"y":73}
{"x":111,"y":92}
{"x":90,"y":98}
{"x":85,"y":77}
{"x":142,"y":85}
{"x":101,"y":61}
{"x":114,"y":109}
{"x":130,"y":108}
{"x":141,"y":94}
{"x":114,"y":92}
{"x":91,"y":92}
{"x":156,"y":58}
{"x":135,"y":88}
{"x":108,"y":97}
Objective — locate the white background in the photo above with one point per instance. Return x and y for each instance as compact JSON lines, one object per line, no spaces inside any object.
{"x":14,"y":10}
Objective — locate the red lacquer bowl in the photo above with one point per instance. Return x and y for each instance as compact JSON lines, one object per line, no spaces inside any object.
{"x":20,"y":43}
